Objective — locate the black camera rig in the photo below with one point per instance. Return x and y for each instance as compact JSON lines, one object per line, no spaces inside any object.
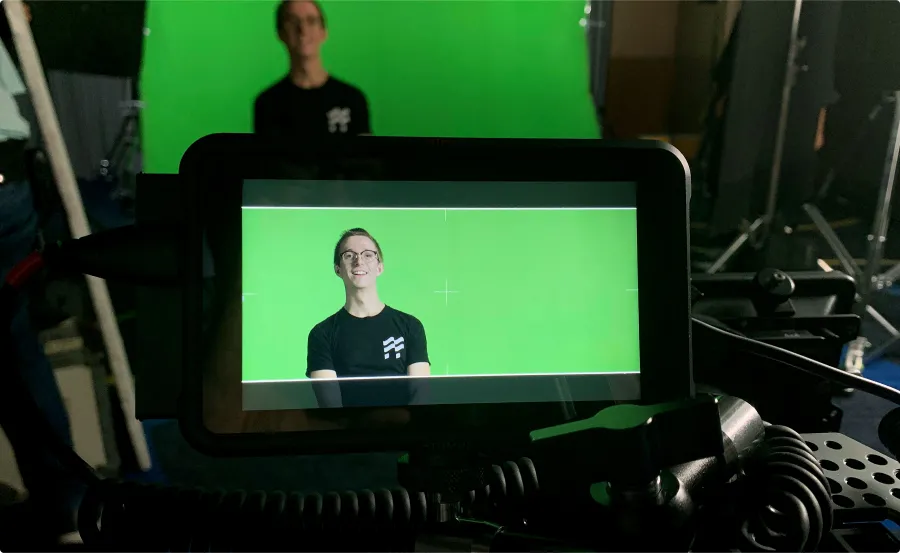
{"x":701,"y":474}
{"x":629,"y":479}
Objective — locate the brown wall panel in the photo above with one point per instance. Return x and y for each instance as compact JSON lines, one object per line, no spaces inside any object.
{"x":638,"y":96}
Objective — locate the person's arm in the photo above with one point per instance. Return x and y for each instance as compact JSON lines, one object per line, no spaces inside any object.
{"x":365,"y":124}
{"x":419,"y":369}
{"x":263,"y":120}
{"x":320,"y":369}
{"x":419,"y":364}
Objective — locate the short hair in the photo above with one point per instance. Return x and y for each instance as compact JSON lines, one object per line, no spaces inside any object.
{"x":281,"y":12}
{"x":355,"y":232}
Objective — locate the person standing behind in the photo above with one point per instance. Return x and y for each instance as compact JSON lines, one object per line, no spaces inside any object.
{"x":308,"y":103}
{"x":53,"y":493}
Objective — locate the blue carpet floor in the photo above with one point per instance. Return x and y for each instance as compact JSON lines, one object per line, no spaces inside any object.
{"x":884,"y":371}
{"x":863,"y":412}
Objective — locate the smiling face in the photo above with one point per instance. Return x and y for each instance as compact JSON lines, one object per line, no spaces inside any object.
{"x":303,"y":30}
{"x":360,"y":262}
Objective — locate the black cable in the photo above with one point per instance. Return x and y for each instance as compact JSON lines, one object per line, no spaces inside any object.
{"x":805,"y":364}
{"x":212,"y":520}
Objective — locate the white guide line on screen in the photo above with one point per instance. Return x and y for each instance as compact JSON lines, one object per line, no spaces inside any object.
{"x":631,"y":289}
{"x":439,"y":376}
{"x":446,"y":291}
{"x":245,"y":294}
{"x":444,"y":209}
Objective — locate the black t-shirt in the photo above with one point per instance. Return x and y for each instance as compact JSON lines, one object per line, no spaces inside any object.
{"x":286,"y":111}
{"x":383,"y":345}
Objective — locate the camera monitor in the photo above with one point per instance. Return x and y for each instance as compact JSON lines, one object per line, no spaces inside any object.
{"x":436,"y":286}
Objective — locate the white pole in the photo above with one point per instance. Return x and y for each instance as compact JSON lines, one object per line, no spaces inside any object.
{"x":78,"y":224}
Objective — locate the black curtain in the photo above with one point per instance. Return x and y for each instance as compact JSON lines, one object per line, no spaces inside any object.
{"x":599,"y":32}
{"x":867,"y":67}
{"x":762,"y":40}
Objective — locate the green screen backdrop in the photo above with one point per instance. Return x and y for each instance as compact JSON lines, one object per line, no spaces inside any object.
{"x":498,"y":291}
{"x":478,"y":68}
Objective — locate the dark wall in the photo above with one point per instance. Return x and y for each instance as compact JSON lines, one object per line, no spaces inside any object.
{"x":101,"y":38}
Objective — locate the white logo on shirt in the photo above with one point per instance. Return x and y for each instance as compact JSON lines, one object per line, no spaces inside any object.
{"x":338,"y":120}
{"x":392,"y":344}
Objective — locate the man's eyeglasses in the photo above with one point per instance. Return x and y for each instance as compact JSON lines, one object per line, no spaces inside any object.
{"x":300,"y":22}
{"x":367,"y":256}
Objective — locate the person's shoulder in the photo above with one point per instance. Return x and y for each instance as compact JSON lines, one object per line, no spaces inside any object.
{"x":345,"y":88}
{"x":404,"y":317}
{"x":275,"y":89}
{"x":325,"y":327}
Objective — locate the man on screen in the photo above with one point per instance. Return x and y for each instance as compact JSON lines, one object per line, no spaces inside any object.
{"x":366,"y":338}
{"x":308,"y":103}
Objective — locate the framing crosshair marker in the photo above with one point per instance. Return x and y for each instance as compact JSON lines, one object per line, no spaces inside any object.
{"x":446,"y":291}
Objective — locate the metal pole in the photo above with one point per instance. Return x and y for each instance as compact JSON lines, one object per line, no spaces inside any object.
{"x":78,"y":224}
{"x":790,"y":76}
{"x":759,"y":229}
{"x":883,"y":211}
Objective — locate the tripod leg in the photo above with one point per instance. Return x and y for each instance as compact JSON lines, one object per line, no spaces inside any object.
{"x":887,"y":326}
{"x":843,"y":255}
{"x":879,"y":352}
{"x":888,"y":277}
{"x":734,"y":247}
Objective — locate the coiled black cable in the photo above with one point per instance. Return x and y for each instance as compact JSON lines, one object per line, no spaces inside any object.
{"x":193,"y":519}
{"x":510,"y":481}
{"x":788,"y":503}
{"x":505,"y":497}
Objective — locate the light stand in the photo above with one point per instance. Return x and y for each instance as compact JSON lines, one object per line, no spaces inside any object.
{"x":118,"y":164}
{"x":868,"y":280}
{"x":758,"y":230}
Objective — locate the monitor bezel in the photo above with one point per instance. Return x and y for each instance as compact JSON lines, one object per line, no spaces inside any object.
{"x":215,"y":167}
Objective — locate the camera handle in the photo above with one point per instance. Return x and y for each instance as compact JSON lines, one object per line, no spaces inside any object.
{"x":641,"y":478}
{"x":630,"y":484}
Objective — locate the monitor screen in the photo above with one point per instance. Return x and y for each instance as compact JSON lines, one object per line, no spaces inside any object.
{"x":390,"y":304}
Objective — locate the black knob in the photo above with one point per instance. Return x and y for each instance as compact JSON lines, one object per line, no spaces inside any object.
{"x":772,"y":288}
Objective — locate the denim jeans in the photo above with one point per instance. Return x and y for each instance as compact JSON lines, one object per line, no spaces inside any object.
{"x":52,"y":490}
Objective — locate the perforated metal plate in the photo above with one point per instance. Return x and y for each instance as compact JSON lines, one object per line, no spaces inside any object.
{"x":863,"y":481}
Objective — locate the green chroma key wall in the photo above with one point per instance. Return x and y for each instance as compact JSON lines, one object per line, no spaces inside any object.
{"x":463,"y":68}
{"x":496,"y":292}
